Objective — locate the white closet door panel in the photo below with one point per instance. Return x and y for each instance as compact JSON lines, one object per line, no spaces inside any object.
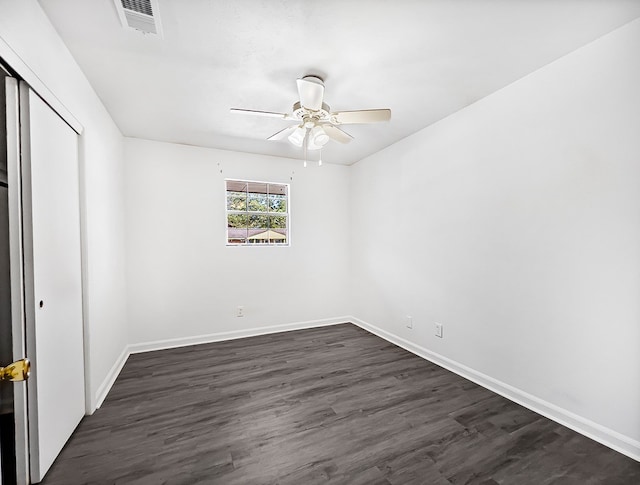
{"x":17,"y":281}
{"x":54,"y":300}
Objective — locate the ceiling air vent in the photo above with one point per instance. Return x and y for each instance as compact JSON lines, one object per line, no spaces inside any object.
{"x":140,"y":15}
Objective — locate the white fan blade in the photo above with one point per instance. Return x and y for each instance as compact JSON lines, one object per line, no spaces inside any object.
{"x":361,"y":116}
{"x":283,"y":133}
{"x":269,"y":114}
{"x":311,"y":91}
{"x":337,"y":134}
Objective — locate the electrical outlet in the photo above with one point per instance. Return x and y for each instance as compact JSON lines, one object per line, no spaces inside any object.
{"x":240,"y":312}
{"x":439,"y":330}
{"x":408,"y":321}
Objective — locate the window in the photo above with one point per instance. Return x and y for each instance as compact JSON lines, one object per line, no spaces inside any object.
{"x":257,"y":213}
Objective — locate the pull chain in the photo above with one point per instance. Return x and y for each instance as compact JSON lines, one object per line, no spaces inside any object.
{"x":306,"y":141}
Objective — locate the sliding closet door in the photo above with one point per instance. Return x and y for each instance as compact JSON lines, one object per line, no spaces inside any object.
{"x":53,"y":289}
{"x":15,"y":451}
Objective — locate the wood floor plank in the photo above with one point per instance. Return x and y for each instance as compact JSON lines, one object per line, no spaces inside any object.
{"x":328,"y":405}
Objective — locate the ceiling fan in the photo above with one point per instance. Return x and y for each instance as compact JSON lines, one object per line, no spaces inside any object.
{"x":316,"y":124}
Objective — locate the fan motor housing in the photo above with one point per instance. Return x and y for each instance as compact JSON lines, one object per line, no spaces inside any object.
{"x":304,"y":114}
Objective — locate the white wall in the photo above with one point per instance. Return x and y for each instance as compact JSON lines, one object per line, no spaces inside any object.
{"x":30,"y":35}
{"x":184,"y":281}
{"x":516,"y":223}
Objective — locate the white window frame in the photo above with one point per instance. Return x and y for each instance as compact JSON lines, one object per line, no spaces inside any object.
{"x":286,"y":214}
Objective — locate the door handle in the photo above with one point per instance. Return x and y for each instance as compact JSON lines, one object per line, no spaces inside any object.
{"x":16,"y":372}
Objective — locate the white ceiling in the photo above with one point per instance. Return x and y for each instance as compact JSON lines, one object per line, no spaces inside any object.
{"x":423,"y":59}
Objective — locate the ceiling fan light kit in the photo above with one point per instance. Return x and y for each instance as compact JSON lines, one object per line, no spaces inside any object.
{"x":298,"y":136}
{"x":316,"y":123}
{"x":317,"y":137}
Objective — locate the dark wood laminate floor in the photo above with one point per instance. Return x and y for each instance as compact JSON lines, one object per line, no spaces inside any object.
{"x":327,"y":405}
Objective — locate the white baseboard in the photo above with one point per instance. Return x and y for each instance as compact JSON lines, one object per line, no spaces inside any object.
{"x":606,"y":436}
{"x":106,"y":385}
{"x":108,"y":382}
{"x":234,"y":334}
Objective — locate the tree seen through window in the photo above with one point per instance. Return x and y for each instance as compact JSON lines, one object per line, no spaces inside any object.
{"x":257,"y":213}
